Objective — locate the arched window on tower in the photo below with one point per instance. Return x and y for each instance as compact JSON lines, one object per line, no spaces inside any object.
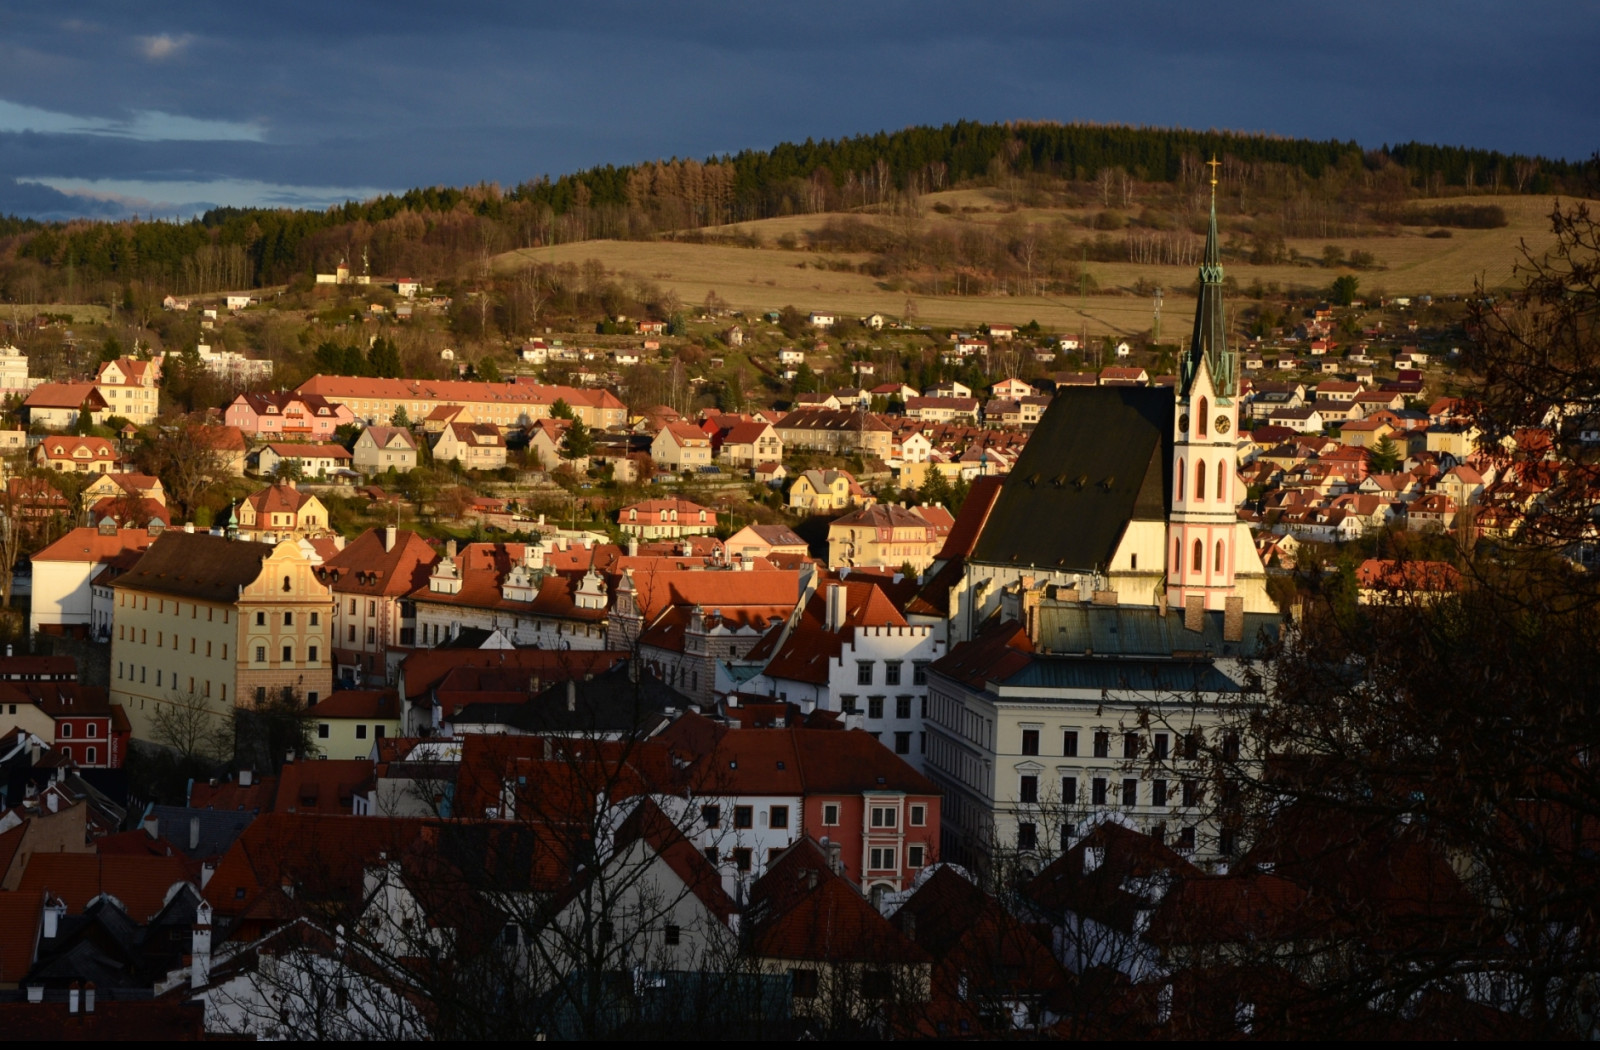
{"x":1205,"y":414}
{"x":1199,"y":479}
{"x":1199,"y":556}
{"x":1181,"y":470}
{"x":1177,"y":555}
{"x":1222,"y":482}
{"x":1219,"y":558}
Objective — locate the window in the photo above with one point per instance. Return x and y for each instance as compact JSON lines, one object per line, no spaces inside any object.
{"x":874,"y":707}
{"x":741,"y":859}
{"x":884,"y":817}
{"x":1186,"y":839}
{"x":1099,"y":789}
{"x":311,"y":654}
{"x":288,"y":585}
{"x":1069,"y":791}
{"x":361,"y":730}
{"x":847,"y":704}
{"x":352,"y":606}
{"x":902,"y":743}
{"x":919,"y":672}
{"x":881,"y":858}
{"x":891,"y":672}
{"x":323,"y":730}
{"x":92,"y":755}
{"x":377,"y":731}
{"x":372,"y":635}
{"x":1203,"y":421}
{"x":372,"y":608}
{"x":1191,"y":793}
{"x":1069,"y":743}
{"x":1199,"y":560}
{"x":261,"y":654}
{"x":671,"y":935}
{"x":261,"y":690}
{"x":288,"y":619}
{"x":352,"y":633}
{"x":66,"y":729}
{"x":1102,"y":745}
{"x":1218,"y":567}
{"x":863,"y":672}
{"x":711,"y":854}
{"x":1191,"y":745}
{"x":1131,"y":745}
{"x":1130,"y":792}
{"x":1028,"y":789}
{"x":830,"y":814}
{"x":804,"y":983}
{"x":1160,"y":747}
{"x":316,"y":619}
{"x":919,"y":816}
{"x":1027,"y":835}
{"x":1200,"y":479}
{"x":1158,"y":793}
{"x":711,"y":816}
{"x":1030,"y":741}
{"x":743,"y":817}
{"x":902,"y":707}
{"x":261,"y":619}
{"x":914,"y":855}
{"x":288,"y":654}
{"x":1230,"y":747}
{"x":778,"y":817}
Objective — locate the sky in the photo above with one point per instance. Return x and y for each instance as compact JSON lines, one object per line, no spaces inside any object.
{"x":109,"y":109}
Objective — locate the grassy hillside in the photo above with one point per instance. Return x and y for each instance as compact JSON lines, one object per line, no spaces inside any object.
{"x":769,"y":276}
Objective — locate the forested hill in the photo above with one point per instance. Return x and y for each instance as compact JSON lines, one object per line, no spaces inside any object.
{"x":436,"y":231}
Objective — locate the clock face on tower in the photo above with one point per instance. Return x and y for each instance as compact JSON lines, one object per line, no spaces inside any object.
{"x":1222,"y":424}
{"x":1183,"y":423}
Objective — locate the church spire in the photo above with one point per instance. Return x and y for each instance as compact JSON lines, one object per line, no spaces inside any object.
{"x":1210,"y":339}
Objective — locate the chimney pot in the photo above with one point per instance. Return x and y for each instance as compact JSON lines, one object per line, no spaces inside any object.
{"x":72,"y":997}
{"x":572,"y":695}
{"x":194,"y":833}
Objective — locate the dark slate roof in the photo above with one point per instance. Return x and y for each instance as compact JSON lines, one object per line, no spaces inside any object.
{"x":197,"y":565}
{"x":1142,"y":676}
{"x":607,"y":703}
{"x":1117,"y":630}
{"x":1099,"y":458}
{"x":218,"y":828}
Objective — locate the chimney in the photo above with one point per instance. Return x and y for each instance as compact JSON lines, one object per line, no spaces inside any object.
{"x":1233,"y":620}
{"x":54,"y":912}
{"x":35,"y":993}
{"x":88,"y":998}
{"x":633,"y":548}
{"x":835,"y":616}
{"x":835,"y":859}
{"x":152,"y":827}
{"x":389,"y":533}
{"x":73,"y":994}
{"x":246,"y":777}
{"x":55,"y":802}
{"x":1194,"y":612}
{"x":572,"y":695}
{"x":194,"y":834}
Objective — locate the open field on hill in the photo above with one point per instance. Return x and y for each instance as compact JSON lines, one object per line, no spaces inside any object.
{"x":769,"y":277}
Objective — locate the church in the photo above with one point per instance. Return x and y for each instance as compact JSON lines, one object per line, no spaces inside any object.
{"x":1125,"y":496}
{"x":1101,"y":606}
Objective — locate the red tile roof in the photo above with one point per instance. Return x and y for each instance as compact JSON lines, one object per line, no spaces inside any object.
{"x":364,"y":567}
{"x":322,"y":787}
{"x":140,"y":883}
{"x":89,"y":545}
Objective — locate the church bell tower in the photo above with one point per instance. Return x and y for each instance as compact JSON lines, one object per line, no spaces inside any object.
{"x":1203,"y":527}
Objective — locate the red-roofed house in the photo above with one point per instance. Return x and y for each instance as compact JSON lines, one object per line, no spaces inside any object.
{"x":63,"y":572}
{"x":278,"y":512}
{"x":79,"y":455}
{"x":304,"y":417}
{"x":748,"y":443}
{"x":681,"y":446}
{"x":666,"y":519}
{"x":370,"y":578}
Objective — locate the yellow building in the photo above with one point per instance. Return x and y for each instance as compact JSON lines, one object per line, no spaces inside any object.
{"x":818,"y":491}
{"x":351,"y":721}
{"x":888,"y":536}
{"x":207,"y":623}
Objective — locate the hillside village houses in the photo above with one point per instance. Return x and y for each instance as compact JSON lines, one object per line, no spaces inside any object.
{"x":281,"y":511}
{"x":681,"y":446}
{"x":311,"y":461}
{"x":476,"y":446}
{"x":380,"y":449}
{"x":303,"y":417}
{"x":820,"y":491}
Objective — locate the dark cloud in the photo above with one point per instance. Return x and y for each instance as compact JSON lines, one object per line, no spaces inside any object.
{"x":403,"y":93}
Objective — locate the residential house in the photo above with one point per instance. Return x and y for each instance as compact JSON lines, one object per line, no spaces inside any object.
{"x":888,"y":536}
{"x":1124,"y":376}
{"x":379,"y":449}
{"x":941,"y":409}
{"x":476,"y":446}
{"x":128,"y":386}
{"x":655,"y":519}
{"x":1432,"y":513}
{"x":374,"y":625}
{"x":349,"y":722}
{"x":275,"y":513}
{"x":264,"y":632}
{"x":77,"y":455}
{"x":510,"y":596}
{"x":1012,"y":388}
{"x":298,"y":417}
{"x":748,"y":443}
{"x":681,"y":446}
{"x":312,"y":461}
{"x":56,"y":405}
{"x":820,"y":491}
{"x":761,"y":541}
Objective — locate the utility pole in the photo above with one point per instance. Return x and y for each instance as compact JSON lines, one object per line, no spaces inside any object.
{"x":1156,"y":336}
